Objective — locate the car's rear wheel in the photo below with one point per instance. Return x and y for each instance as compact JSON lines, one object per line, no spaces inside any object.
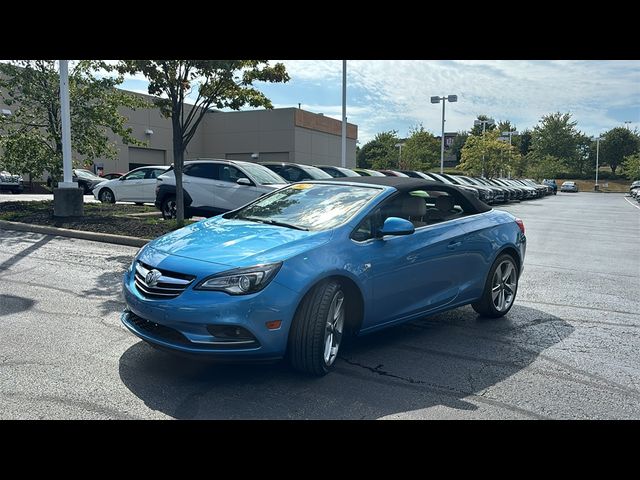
{"x":317,"y":329}
{"x":500,"y":288}
{"x":169,"y":207}
{"x":106,"y":196}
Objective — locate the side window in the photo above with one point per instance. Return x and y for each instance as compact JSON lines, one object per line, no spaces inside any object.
{"x":229,"y":173}
{"x":137,"y":175}
{"x":203,"y":170}
{"x":153,"y":173}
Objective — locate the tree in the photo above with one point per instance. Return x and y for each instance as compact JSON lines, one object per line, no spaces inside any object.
{"x":421,"y":150}
{"x":216,"y":83}
{"x":523,"y":142}
{"x":458,"y":143}
{"x":485,"y":153}
{"x":505,"y":126}
{"x":616,"y":144}
{"x":32,"y":135}
{"x":556,"y":135}
{"x":546,"y":166}
{"x":631,"y":166}
{"x":477,"y":129}
{"x":381,"y":152}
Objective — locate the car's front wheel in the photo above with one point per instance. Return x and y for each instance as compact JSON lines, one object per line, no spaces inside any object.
{"x":169,"y":207}
{"x":500,"y":288}
{"x":317,"y":329}
{"x":106,"y":196}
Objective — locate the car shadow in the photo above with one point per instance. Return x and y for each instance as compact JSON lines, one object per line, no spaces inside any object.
{"x":449,"y":359}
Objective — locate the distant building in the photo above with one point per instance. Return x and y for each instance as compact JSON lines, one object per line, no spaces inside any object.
{"x":281,"y":134}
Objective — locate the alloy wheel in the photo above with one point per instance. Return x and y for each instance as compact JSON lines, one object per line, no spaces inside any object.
{"x":334,"y":327}
{"x":503,"y":285}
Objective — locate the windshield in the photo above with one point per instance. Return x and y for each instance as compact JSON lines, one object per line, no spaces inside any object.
{"x":262,"y":175}
{"x":308,"y":206}
{"x":315,"y":172}
{"x":87,"y":174}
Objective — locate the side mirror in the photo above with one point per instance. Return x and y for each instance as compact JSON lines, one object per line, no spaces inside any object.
{"x":396,"y":226}
{"x":244,"y":181}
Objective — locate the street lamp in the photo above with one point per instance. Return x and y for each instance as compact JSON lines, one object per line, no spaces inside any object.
{"x":399,"y":145}
{"x":510,"y":134}
{"x":597,"y":139}
{"x":488,"y":121}
{"x":627,"y":123}
{"x":451,"y":99}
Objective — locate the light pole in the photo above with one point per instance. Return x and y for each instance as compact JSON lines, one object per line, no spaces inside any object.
{"x":488,"y":121}
{"x":399,"y":145}
{"x":510,"y":134}
{"x":451,"y":99}
{"x":627,"y":123}
{"x":343,"y":157}
{"x":597,"y":139}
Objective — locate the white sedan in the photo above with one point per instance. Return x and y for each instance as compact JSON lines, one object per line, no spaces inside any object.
{"x":137,"y":186}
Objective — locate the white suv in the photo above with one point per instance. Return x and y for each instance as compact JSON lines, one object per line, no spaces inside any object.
{"x":214,"y":186}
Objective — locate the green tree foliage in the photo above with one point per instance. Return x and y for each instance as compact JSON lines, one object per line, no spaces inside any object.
{"x":556,"y":136}
{"x":546,"y":166}
{"x":215,"y":83}
{"x":505,"y":126}
{"x":523,"y":142}
{"x":381,"y":152}
{"x":477,"y":129}
{"x":421,"y":150}
{"x":458,"y":143}
{"x":32,"y":135}
{"x":485,"y":153}
{"x":631,"y":166}
{"x":616,"y":144}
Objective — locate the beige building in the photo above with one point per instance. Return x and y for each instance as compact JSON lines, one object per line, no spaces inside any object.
{"x":281,"y":134}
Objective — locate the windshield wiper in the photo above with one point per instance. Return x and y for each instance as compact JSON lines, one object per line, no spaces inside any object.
{"x":273,"y":222}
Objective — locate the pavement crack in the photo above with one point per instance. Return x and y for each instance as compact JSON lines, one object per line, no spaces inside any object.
{"x":378,"y":370}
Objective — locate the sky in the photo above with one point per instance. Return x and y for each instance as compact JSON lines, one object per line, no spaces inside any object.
{"x":387,"y":95}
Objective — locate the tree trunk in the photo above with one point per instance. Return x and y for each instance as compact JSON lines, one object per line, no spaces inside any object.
{"x":178,"y":162}
{"x":613,"y":168}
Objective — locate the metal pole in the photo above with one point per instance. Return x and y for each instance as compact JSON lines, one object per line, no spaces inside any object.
{"x":442,"y":143}
{"x":66,"y":126}
{"x":597,"y":157}
{"x":400,"y":156}
{"x":344,"y":113}
{"x":483,"y":127}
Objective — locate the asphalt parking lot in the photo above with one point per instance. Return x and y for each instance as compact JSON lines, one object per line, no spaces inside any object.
{"x":568,"y":348}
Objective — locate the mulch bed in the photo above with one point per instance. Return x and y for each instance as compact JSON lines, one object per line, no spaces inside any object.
{"x":98,"y":217}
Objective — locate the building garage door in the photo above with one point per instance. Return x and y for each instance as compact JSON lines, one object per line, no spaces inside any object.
{"x":139,"y":157}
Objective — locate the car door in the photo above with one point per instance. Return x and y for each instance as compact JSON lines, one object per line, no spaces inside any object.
{"x":147,"y":192}
{"x":231,"y":194}
{"x":128,"y":187}
{"x":415,"y":273}
{"x":200,"y":181}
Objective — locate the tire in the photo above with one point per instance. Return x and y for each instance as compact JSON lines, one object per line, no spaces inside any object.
{"x":106,"y":196}
{"x":139,"y":204}
{"x":317,"y":330}
{"x":168,"y":207}
{"x":503,"y":285}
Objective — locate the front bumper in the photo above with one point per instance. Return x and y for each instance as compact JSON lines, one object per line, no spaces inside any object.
{"x":180,"y":323}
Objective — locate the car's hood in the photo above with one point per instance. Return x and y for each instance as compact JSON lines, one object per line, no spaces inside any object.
{"x":237,"y":242}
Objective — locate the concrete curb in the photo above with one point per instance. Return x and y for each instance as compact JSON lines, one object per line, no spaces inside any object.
{"x":65,"y":232}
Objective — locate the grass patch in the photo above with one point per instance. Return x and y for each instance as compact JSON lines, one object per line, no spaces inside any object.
{"x":98,"y":217}
{"x":618,"y":185}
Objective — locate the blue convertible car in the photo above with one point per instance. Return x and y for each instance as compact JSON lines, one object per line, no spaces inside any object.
{"x":290,"y":273}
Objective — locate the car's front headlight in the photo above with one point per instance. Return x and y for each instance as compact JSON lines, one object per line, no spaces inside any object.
{"x":241,"y":281}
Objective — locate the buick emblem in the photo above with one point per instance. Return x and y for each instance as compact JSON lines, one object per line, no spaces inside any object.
{"x":152,"y":278}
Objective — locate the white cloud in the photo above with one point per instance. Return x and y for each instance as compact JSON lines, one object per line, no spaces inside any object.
{"x":521,"y":91}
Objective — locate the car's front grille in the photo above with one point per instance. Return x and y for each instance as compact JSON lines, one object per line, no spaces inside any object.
{"x":159,"y":331}
{"x":168,"y":285}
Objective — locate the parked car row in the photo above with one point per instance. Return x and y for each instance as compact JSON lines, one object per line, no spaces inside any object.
{"x":213,"y":186}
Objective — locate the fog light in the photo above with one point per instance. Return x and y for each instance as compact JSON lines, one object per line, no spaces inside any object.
{"x":273,"y":324}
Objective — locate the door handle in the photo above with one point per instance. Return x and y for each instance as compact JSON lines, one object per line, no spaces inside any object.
{"x":453,"y":245}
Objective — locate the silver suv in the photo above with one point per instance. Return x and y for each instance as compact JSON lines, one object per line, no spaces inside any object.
{"x":14,"y":183}
{"x":213,"y":186}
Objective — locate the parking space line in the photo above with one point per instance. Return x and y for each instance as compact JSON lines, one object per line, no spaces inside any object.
{"x":629,"y":202}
